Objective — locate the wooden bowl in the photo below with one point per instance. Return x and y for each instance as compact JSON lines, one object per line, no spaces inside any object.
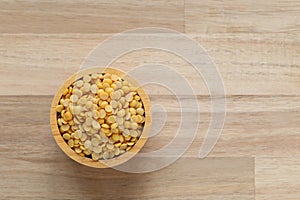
{"x":88,"y":161}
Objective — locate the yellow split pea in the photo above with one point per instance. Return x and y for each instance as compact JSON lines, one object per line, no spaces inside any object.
{"x":100,"y":116}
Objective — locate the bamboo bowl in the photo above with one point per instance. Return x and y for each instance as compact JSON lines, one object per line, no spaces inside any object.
{"x":88,"y":161}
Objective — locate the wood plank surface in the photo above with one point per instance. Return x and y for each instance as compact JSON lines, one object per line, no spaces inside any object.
{"x":222,"y":178}
{"x":251,"y":129}
{"x":242,"y":16}
{"x":34,"y":166}
{"x":277,"y":178}
{"x":260,"y":65}
{"x":254,"y":45}
{"x":89,"y":16}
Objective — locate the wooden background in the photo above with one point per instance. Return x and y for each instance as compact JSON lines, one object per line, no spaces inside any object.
{"x":256,"y":46}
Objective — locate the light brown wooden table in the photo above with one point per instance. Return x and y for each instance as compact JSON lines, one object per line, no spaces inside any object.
{"x":256,"y":46}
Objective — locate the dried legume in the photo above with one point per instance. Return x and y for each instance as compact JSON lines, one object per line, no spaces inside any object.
{"x":100,"y":116}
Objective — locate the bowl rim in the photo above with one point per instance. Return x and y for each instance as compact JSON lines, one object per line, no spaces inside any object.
{"x":87,"y":161}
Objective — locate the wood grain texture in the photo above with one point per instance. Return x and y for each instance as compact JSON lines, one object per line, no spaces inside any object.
{"x":89,"y":16}
{"x":251,"y":129}
{"x":34,"y":166}
{"x":277,"y":178}
{"x":242,"y":16}
{"x":223,"y":178}
{"x":256,"y":47}
{"x":249,"y":65}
